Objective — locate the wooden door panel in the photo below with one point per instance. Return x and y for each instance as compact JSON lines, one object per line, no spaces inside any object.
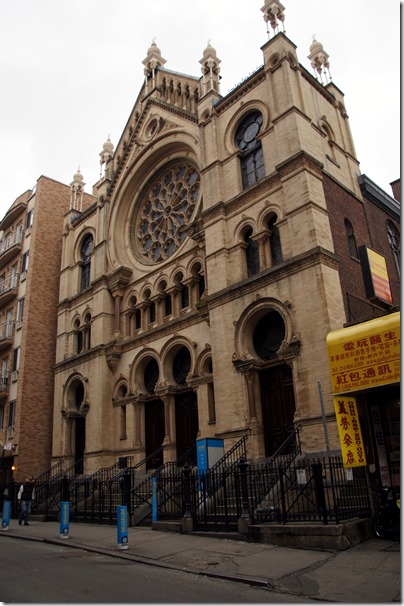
{"x":186,"y":424}
{"x":278,"y":405}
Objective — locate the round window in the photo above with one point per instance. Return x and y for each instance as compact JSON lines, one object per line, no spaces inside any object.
{"x":166,"y":208}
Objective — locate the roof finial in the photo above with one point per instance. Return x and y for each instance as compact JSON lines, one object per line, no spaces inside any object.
{"x":273,"y":13}
{"x":319,"y":60}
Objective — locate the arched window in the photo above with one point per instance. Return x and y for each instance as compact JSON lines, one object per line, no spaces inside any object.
{"x":268,"y":335}
{"x":181,"y":366}
{"x":135,"y":317}
{"x":166,"y":297}
{"x":79,"y":336}
{"x":252,"y":254}
{"x":151,"y":305}
{"x":252,"y":158}
{"x":274,"y":240}
{"x":151,"y":375}
{"x":85,"y":257}
{"x":350,"y":236}
{"x":87,"y":332}
{"x":199,"y":278}
{"x":394,"y":241}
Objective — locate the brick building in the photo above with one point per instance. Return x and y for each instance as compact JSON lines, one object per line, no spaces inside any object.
{"x":30,"y":251}
{"x":197,"y":293}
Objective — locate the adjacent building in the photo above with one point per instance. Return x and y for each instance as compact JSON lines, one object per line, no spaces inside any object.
{"x":30,"y":254}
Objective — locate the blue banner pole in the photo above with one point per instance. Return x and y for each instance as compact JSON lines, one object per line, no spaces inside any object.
{"x":154,"y":499}
{"x":5,"y":522}
{"x":122,"y":527}
{"x":64,"y":519}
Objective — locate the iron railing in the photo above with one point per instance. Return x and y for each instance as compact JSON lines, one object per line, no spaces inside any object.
{"x":313,"y":490}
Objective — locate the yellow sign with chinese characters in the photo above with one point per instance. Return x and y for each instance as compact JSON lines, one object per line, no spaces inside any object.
{"x":350,"y":435}
{"x":365,"y":355}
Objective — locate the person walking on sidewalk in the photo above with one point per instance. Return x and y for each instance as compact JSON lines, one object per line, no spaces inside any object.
{"x":25,"y":496}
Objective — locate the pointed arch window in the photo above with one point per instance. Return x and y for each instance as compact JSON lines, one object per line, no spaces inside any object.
{"x":394,"y":241}
{"x":252,"y":157}
{"x":85,"y":257}
{"x":350,"y":236}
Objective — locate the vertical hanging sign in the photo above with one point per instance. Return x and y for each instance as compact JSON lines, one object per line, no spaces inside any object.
{"x":122,"y":526}
{"x":154,"y":499}
{"x":350,"y":435}
{"x":5,"y":521}
{"x":64,"y":519}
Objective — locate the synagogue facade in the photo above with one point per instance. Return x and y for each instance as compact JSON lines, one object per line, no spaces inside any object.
{"x":198,"y":289}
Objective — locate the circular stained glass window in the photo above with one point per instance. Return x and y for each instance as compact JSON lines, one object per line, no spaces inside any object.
{"x":166,"y":208}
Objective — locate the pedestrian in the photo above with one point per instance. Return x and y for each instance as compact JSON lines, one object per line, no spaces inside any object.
{"x":25,"y":496}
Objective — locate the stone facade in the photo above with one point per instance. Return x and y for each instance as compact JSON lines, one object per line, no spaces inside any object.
{"x":197,"y":293}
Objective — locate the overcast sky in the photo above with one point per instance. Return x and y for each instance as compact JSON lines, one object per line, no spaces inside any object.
{"x":70,"y":72}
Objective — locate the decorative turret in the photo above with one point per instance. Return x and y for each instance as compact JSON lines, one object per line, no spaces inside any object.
{"x":153,"y":61}
{"x":319,"y":60}
{"x":106,"y":153}
{"x":273,"y":14}
{"x":210,"y":70}
{"x":77,"y":191}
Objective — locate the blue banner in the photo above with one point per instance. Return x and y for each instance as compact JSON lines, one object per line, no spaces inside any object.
{"x":154,"y":499}
{"x":5,"y":522}
{"x":64,"y":519}
{"x":122,"y":526}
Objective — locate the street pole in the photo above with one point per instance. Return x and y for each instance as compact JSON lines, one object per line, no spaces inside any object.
{"x":320,"y":391}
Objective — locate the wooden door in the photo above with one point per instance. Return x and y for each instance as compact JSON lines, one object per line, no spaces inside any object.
{"x":155,"y":430}
{"x":80,"y":444}
{"x":278,"y":406}
{"x":186,"y":424}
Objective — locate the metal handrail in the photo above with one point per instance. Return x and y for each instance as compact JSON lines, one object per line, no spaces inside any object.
{"x":287,"y":460}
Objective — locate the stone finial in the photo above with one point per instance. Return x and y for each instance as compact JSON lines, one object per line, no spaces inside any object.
{"x":152,"y":63}
{"x":319,"y":60}
{"x":274,"y":14}
{"x":153,"y":60}
{"x":210,"y":70}
{"x":107,"y":152}
{"x":77,"y":191}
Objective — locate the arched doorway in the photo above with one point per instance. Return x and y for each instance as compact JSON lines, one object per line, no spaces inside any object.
{"x":278,"y":406}
{"x":186,"y":425}
{"x":276,"y":382}
{"x":154,"y":417}
{"x":186,"y":408}
{"x":154,"y":425}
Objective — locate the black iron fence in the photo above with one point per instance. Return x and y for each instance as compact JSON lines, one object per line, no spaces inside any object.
{"x":308,"y":490}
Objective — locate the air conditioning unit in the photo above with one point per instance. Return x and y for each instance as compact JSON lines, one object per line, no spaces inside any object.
{"x":14,"y":375}
{"x":10,"y":433}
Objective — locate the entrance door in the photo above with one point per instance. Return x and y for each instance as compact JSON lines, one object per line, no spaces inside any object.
{"x":278,"y":406}
{"x":186,"y":424}
{"x":80,"y":444}
{"x":155,"y":430}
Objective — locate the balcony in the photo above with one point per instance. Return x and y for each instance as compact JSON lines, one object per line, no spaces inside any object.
{"x":4,"y":384}
{"x":8,"y":288}
{"x":6,"y":335}
{"x":10,"y":246}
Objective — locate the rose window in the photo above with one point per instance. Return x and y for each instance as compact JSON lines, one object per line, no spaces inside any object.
{"x":166,"y":208}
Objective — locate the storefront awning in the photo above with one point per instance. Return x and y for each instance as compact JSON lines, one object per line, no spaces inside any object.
{"x":365,"y":355}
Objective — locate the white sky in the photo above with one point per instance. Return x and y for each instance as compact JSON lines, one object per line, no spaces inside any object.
{"x":70,"y":72}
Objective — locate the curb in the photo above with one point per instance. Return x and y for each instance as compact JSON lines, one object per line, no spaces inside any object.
{"x":148,"y":561}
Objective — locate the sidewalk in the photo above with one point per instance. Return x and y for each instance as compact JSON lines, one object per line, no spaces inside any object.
{"x":369,"y":572}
